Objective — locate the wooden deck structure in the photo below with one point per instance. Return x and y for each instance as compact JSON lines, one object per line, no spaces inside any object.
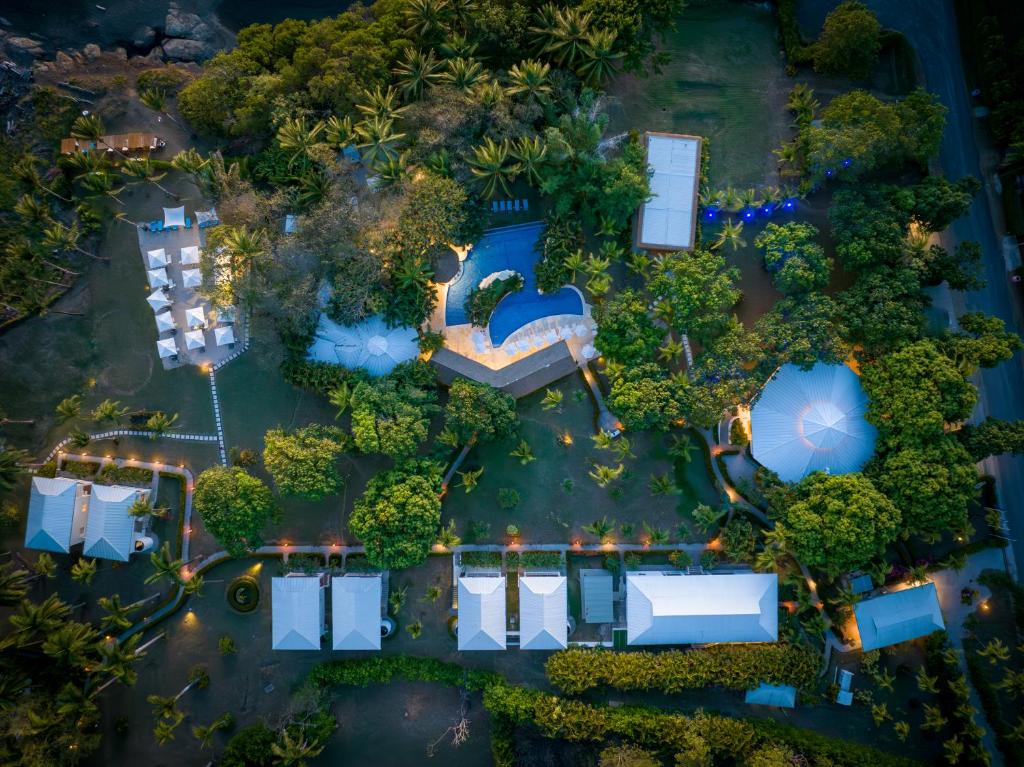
{"x":118,"y":142}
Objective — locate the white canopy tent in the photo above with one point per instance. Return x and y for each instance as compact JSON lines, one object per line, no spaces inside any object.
{"x":165,"y":322}
{"x":174,"y":217}
{"x":156,"y":258}
{"x":812,"y":420}
{"x":370,"y":345}
{"x":195,"y":317}
{"x":224,"y":336}
{"x":355,"y":612}
{"x":158,"y":300}
{"x":158,"y":278}
{"x":191,"y":278}
{"x":482,"y":613}
{"x":166,"y":348}
{"x":297,"y":613}
{"x":543,"y":606}
{"x":665,"y":608}
{"x":190,"y":255}
{"x":195,"y":339}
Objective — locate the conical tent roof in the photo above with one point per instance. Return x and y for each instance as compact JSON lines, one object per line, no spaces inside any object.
{"x":191,"y":278}
{"x":370,"y":345}
{"x":157,"y":258}
{"x":224,"y":335}
{"x":166,"y":347}
{"x":158,"y":300}
{"x":164,"y":322}
{"x":812,"y":420}
{"x":190,"y":255}
{"x":157,"y":278}
{"x":194,"y":339}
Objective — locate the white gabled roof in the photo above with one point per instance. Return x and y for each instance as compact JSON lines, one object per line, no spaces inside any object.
{"x":296,"y":613}
{"x":109,"y":528}
{"x":898,"y":617}
{"x":811,"y":420}
{"x":664,"y":608}
{"x":668,"y":220}
{"x":355,"y":612}
{"x":482,"y":613}
{"x":543,"y":610}
{"x":51,"y":514}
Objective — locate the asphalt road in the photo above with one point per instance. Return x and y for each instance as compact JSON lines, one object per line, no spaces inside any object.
{"x":930,"y":27}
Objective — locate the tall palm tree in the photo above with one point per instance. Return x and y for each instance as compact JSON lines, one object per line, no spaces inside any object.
{"x":75,"y":704}
{"x":569,"y":36}
{"x":34,"y":621}
{"x":108,"y":410}
{"x":118,"y":616}
{"x":204,"y":733}
{"x":380,"y":103}
{"x":70,"y":644}
{"x":83,"y":570}
{"x":490,"y":164}
{"x":26,"y":170}
{"x":601,"y":528}
{"x":427,"y":18}
{"x":465,"y":74}
{"x":531,"y":79}
{"x":605,"y":475}
{"x":88,"y":127}
{"x":376,"y":136}
{"x":118,"y":658}
{"x":597,"y":64}
{"x":33,"y":211}
{"x":194,"y":586}
{"x":142,"y":168}
{"x":530,"y":152}
{"x":163,"y":730}
{"x":189,"y":161}
{"x":670,"y":351}
{"x":730,"y":234}
{"x":69,"y":408}
{"x":416,"y":72}
{"x":298,"y":138}
{"x":165,"y":565}
{"x":44,"y":566}
{"x":13,"y":584}
{"x":544,"y":23}
{"x":160,"y":423}
{"x":294,"y":748}
{"x":59,"y":237}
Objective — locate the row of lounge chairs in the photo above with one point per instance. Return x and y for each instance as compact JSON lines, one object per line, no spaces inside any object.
{"x":509,"y":206}
{"x":158,"y":226}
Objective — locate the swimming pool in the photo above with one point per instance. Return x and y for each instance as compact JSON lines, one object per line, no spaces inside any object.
{"x":510,"y":247}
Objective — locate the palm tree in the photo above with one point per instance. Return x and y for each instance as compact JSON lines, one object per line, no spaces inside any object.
{"x":681,"y":448}
{"x":190,"y":162}
{"x":70,"y":644}
{"x":639,"y":264}
{"x":34,"y":211}
{"x":165,"y":565}
{"x":416,"y":72}
{"x":748,"y":198}
{"x":34,"y":621}
{"x":927,"y":683}
{"x":707,"y":518}
{"x":159,"y":423}
{"x":376,"y":136}
{"x":605,"y":475}
{"x":599,"y":57}
{"x":656,"y":535}
{"x":490,"y":164}
{"x":59,"y":237}
{"x":470,"y":478}
{"x":575,"y":262}
{"x":339,"y":131}
{"x":730,"y":234}
{"x":933,"y":718}
{"x":204,"y":734}
{"x":530,"y":153}
{"x":531,"y":79}
{"x":568,"y":38}
{"x":69,"y":407}
{"x":552,"y":399}
{"x":623,"y":449}
{"x":381,"y":103}
{"x":391,"y":171}
{"x":603,"y":440}
{"x":293,"y":748}
{"x":427,"y":18}
{"x":26,"y":170}
{"x":77,"y":705}
{"x":117,"y":615}
{"x":88,"y":127}
{"x":118,"y":658}
{"x":142,"y":168}
{"x":447,"y":536}
{"x":523,"y":452}
{"x":13,"y":585}
{"x":44,"y":566}
{"x":600,"y":528}
{"x":163,"y":731}
{"x":489,"y":94}
{"x":298,"y":138}
{"x":194,"y":586}
{"x":662,"y":484}
{"x":10,"y":467}
{"x":83,"y":570}
{"x":108,"y":410}
{"x":465,"y":74}
{"x":671,"y":351}
{"x":995,"y":651}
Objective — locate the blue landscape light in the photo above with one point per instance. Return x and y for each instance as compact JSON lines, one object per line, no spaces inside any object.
{"x":846,"y":163}
{"x":748,"y":214}
{"x":788,"y":205}
{"x":829,"y":173}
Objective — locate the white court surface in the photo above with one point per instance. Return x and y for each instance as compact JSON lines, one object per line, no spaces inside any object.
{"x":668,"y":220}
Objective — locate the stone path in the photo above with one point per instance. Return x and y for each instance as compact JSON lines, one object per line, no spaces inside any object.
{"x":216,"y":416}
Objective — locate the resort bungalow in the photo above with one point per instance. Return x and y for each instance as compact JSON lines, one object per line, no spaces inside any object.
{"x":355,"y":612}
{"x":673,"y":608}
{"x":668,"y":221}
{"x":297,"y":612}
{"x":543,"y":612}
{"x":482,"y":612}
{"x":898,"y":617}
{"x":57,"y":511}
{"x":110,"y":531}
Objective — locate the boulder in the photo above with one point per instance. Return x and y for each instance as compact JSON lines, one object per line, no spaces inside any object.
{"x":181,"y":24}
{"x":120,"y":54}
{"x":62,"y":62}
{"x":91,"y":52}
{"x":23,"y":49}
{"x":188,"y":50}
{"x":144,"y":37}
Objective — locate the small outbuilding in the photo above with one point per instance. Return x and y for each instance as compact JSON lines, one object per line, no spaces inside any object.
{"x":297,"y":612}
{"x":482,"y":612}
{"x":543,"y":612}
{"x":898,"y":617}
{"x":355,"y":612}
{"x":777,"y":695}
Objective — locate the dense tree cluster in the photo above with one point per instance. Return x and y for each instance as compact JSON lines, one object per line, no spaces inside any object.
{"x":392,"y":415}
{"x":235,"y":507}
{"x":304,"y":462}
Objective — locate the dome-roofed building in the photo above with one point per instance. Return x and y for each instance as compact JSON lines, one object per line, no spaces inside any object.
{"x":811,"y":420}
{"x":370,"y":345}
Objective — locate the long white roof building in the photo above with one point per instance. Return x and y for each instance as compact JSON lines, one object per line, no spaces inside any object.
{"x":670,"y":608}
{"x":482,"y":613}
{"x":543,"y":611}
{"x":355,"y":612}
{"x":668,"y":221}
{"x":297,"y":613}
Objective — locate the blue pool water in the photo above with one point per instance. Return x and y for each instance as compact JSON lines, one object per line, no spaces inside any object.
{"x":515,"y":248}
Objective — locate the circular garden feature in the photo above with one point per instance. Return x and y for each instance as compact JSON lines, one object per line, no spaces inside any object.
{"x":244,"y":594}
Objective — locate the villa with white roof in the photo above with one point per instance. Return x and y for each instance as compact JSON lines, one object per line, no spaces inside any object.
{"x":673,"y":608}
{"x":110,"y":531}
{"x":482,"y":612}
{"x":298,"y":609}
{"x":898,"y":617}
{"x":356,"y":612}
{"x":543,"y":612}
{"x":57,"y":510}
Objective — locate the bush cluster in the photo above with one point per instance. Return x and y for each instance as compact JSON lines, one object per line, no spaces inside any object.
{"x":482,"y":301}
{"x":124,"y":475}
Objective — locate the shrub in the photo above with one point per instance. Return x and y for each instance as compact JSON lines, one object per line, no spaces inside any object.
{"x":548,"y":560}
{"x":736,"y":667}
{"x":480,"y":559}
{"x":680,"y":559}
{"x":84,"y":469}
{"x":738,"y":433}
{"x":168,"y":79}
{"x":124,"y":475}
{"x":48,"y":469}
{"x":482,"y":301}
{"x":508,"y":498}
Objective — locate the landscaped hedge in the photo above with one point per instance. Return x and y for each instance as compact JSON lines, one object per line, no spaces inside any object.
{"x":481,"y":301}
{"x":382,"y":669}
{"x":112,"y":474}
{"x":85,"y":469}
{"x":321,"y":377}
{"x":737,"y":667}
{"x":48,"y":469}
{"x":480,"y":558}
{"x":547,"y":559}
{"x":797,"y":52}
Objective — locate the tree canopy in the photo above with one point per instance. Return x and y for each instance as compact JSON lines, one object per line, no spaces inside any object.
{"x":479,"y":411}
{"x":697,"y":290}
{"x":849,"y":43}
{"x":644,"y":397}
{"x":391,"y":416}
{"x":626,"y":332}
{"x":304,"y":462}
{"x":793,"y":257}
{"x":234,"y":506}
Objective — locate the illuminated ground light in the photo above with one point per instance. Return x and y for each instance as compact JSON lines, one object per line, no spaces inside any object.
{"x":788,"y":205}
{"x":748,"y":215}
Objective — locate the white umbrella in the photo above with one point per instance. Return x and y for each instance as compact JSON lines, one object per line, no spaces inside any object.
{"x":551,"y":336}
{"x":581,"y":330}
{"x":194,"y":317}
{"x":510,"y":349}
{"x":174,"y":216}
{"x":523,"y":346}
{"x":158,"y":300}
{"x":157,"y":258}
{"x":190,"y":255}
{"x":194,"y":339}
{"x":191,"y":278}
{"x":588,"y":352}
{"x":224,"y":336}
{"x":158,"y":278}
{"x":166,"y":347}
{"x":565,"y":332}
{"x":164,"y":322}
